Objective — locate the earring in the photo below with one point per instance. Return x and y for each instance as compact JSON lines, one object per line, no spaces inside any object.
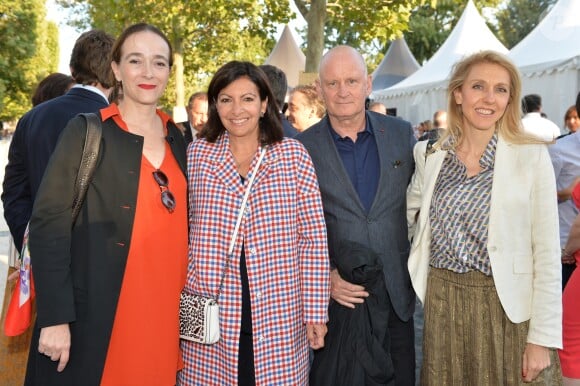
{"x":262,"y":114}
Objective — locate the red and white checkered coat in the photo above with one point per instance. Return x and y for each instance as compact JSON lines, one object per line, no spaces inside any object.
{"x":284,"y":236}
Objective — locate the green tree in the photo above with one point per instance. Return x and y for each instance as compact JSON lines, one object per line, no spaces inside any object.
{"x":429,"y":26}
{"x":519,"y":18}
{"x":28,"y":52}
{"x":364,"y":24}
{"x":204,"y":36}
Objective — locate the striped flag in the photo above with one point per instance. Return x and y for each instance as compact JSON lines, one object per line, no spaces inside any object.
{"x":19,"y":313}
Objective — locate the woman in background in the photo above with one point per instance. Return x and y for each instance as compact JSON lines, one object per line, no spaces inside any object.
{"x":485,"y":259}
{"x":571,"y":120}
{"x":54,"y":85}
{"x":108,"y":285}
{"x":305,"y":107}
{"x":274,"y":301}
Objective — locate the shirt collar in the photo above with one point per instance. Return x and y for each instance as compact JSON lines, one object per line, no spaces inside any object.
{"x":93,"y":89}
{"x":488,"y":157}
{"x":113,"y":110}
{"x":337,"y":137}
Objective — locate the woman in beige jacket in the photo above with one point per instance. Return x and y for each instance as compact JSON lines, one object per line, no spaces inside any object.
{"x":485,"y":256}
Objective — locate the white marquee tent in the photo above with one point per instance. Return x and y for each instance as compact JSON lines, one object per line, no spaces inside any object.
{"x":549,"y":59}
{"x":287,"y":56}
{"x":397,"y":64}
{"x":417,"y":97}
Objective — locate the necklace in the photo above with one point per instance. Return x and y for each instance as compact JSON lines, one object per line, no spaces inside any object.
{"x":240,"y":162}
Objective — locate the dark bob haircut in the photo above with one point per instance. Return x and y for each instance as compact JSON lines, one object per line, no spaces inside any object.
{"x":270,"y":124}
{"x":54,"y":85}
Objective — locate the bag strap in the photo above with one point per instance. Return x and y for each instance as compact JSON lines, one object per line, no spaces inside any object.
{"x":239,"y":220}
{"x":88,"y":161}
{"x":429,"y":150}
{"x":87,"y":168}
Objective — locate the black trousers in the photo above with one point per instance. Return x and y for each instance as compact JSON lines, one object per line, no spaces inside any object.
{"x":402,"y":349}
{"x":246,"y":371}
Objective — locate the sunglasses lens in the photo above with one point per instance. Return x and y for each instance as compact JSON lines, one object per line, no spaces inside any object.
{"x":160,"y":178}
{"x":167,"y":197}
{"x":168,"y":200}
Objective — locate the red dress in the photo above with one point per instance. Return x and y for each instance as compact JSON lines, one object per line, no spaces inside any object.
{"x":570,"y":355}
{"x":144,"y":347}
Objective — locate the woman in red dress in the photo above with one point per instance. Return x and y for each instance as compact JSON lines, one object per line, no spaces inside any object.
{"x":108,"y":286}
{"x":570,"y":355}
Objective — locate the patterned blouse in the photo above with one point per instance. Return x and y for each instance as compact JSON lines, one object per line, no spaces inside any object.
{"x":459,"y":214}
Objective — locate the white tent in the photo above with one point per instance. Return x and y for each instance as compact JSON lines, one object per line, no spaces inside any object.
{"x":397,"y":64}
{"x":417,"y":97}
{"x":549,"y":59}
{"x":288,"y":57}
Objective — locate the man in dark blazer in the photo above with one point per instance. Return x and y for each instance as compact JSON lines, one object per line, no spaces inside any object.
{"x":364,"y":162}
{"x":279,"y":85}
{"x":196,"y":115}
{"x":38,"y":130}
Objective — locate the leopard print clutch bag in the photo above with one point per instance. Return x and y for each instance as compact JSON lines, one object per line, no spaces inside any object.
{"x":198,"y":318}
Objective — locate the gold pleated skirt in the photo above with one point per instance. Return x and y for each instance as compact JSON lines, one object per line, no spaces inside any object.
{"x":468,"y":340}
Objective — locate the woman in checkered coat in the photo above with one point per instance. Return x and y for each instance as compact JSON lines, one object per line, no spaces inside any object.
{"x":273,"y":305}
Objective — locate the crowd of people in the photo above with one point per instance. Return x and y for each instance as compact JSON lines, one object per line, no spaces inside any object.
{"x":350,"y":216}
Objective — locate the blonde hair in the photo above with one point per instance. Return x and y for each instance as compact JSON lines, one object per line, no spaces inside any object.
{"x":312,"y":98}
{"x":509,"y":126}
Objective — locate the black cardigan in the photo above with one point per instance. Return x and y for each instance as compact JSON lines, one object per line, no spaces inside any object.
{"x":78,"y":273}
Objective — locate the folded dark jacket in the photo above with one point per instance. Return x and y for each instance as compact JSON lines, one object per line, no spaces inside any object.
{"x":357,"y":346}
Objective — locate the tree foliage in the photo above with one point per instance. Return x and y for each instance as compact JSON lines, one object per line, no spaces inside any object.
{"x":519,"y":18}
{"x":364,"y":24}
{"x":28,"y":52}
{"x":204,"y":35}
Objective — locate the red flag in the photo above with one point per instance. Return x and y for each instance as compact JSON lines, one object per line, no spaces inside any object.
{"x":19,"y":313}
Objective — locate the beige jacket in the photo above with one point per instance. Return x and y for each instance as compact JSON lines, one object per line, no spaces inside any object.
{"x":522,"y":238}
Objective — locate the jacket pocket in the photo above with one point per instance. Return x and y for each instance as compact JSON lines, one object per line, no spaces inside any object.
{"x":524,"y":264}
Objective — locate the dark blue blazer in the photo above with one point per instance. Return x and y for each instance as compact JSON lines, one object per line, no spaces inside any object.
{"x":33,"y":142}
{"x":289,"y":130}
{"x":384,"y":229}
{"x":188,"y":133}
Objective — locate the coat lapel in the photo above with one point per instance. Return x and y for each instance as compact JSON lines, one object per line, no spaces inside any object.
{"x":224,"y":167}
{"x":334,"y":162}
{"x":380,"y":133}
{"x":433,"y":163}
{"x":269,"y":161}
{"x":506,"y":155}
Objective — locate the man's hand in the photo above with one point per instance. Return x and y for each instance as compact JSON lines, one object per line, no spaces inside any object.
{"x":315,"y":334}
{"x":346,"y":293}
{"x":54,"y":342}
{"x":536,"y":358}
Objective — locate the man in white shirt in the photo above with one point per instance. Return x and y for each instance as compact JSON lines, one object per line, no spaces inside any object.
{"x":533,"y":121}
